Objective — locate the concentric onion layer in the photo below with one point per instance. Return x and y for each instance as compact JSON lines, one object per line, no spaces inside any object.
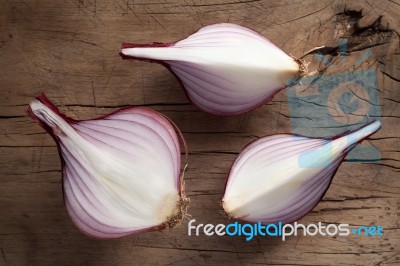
{"x":121,"y":172}
{"x":281,"y":178}
{"x":225,"y":69}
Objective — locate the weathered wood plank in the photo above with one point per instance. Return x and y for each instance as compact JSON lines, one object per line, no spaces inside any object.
{"x":69,"y":49}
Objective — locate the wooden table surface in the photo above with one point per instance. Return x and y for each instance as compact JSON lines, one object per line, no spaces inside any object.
{"x":69,"y":50}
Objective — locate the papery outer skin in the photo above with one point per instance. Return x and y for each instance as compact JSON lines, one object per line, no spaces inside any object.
{"x":121,"y":172}
{"x":226,"y":69}
{"x":269,"y":181}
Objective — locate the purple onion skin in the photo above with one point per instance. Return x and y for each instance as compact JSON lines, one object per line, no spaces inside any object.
{"x":205,"y":102}
{"x":44,"y":100}
{"x":311,"y":207}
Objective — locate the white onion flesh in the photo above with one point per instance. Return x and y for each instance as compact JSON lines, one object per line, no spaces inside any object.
{"x":226,"y":69}
{"x":121,"y":172}
{"x":281,"y":178}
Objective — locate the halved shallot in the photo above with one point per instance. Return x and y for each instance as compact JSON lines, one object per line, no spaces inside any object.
{"x":225,"y":69}
{"x":121,"y":172}
{"x":280,"y":178}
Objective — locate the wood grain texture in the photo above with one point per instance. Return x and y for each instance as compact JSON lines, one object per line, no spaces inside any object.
{"x":69,"y":50}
